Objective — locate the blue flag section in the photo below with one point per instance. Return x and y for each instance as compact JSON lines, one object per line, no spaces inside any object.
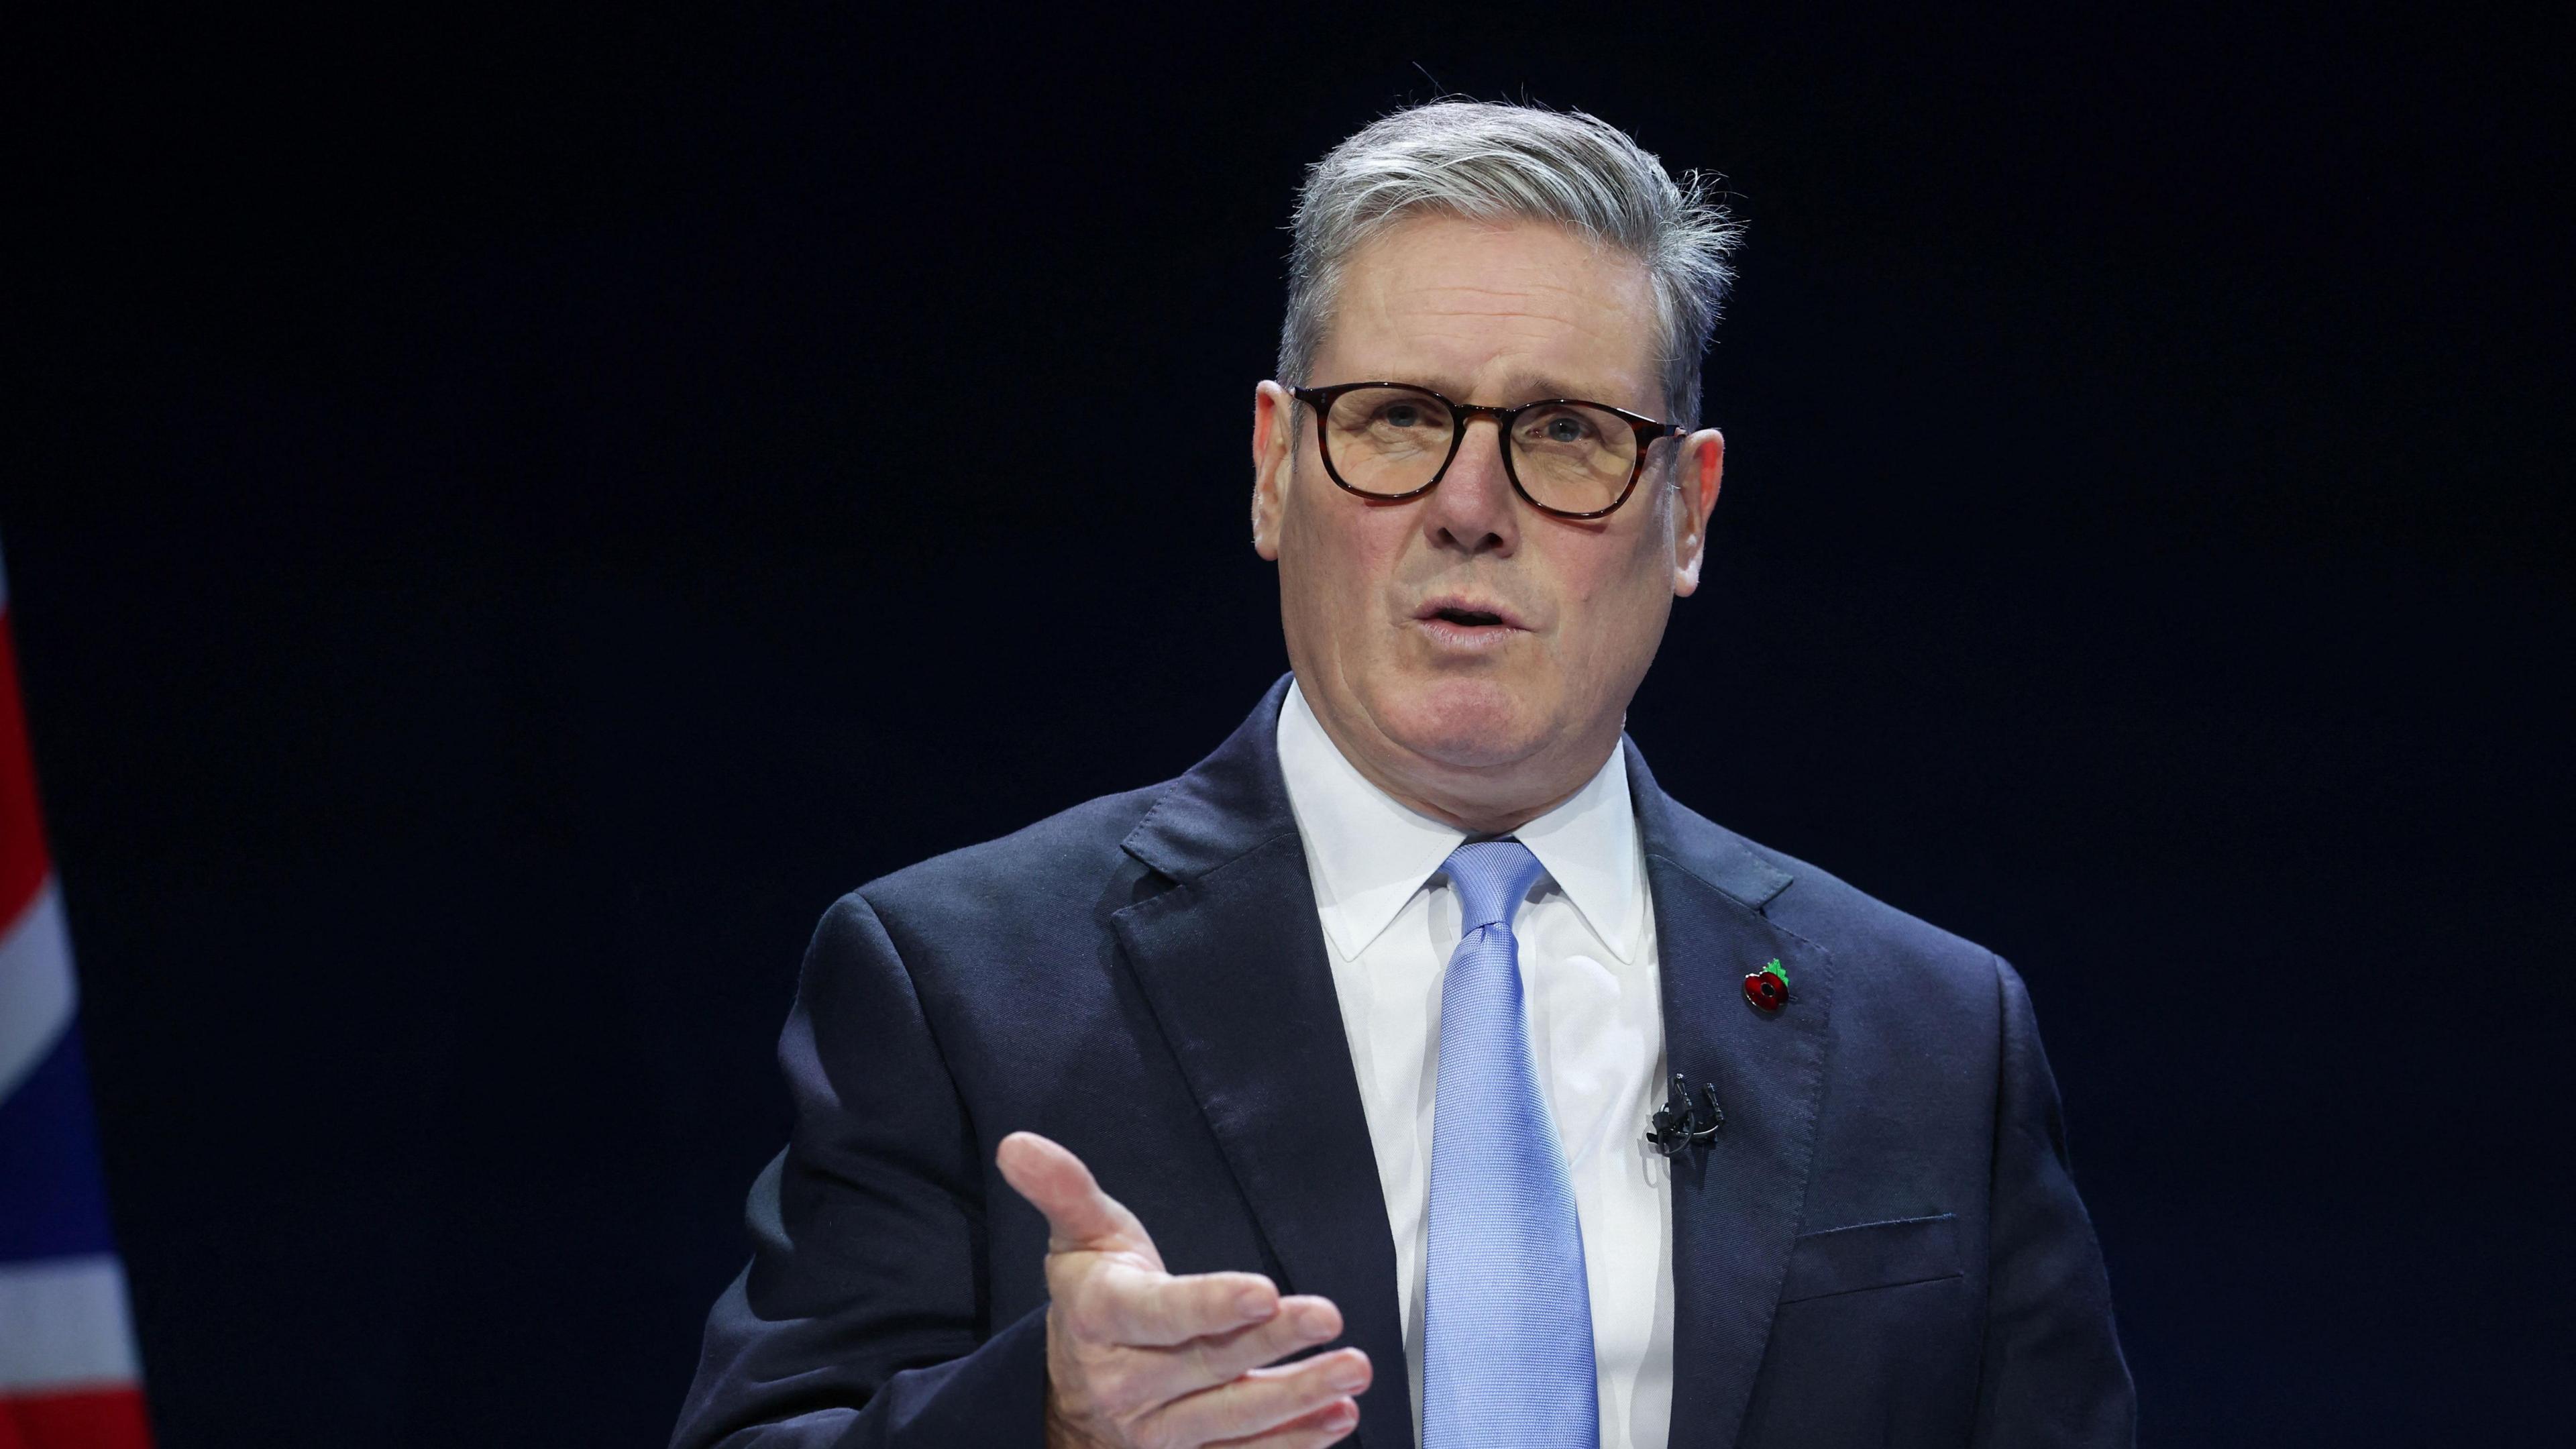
{"x":69,"y":1377}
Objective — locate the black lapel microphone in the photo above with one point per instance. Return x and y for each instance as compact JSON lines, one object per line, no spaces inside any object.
{"x":1683,"y":1123}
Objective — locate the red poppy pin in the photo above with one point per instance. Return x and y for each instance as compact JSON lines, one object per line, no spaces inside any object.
{"x":1768,"y":988}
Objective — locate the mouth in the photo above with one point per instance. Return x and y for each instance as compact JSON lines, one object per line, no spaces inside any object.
{"x":1466,"y":623}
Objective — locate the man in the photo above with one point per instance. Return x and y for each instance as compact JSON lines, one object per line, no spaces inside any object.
{"x":1364,"y":1021}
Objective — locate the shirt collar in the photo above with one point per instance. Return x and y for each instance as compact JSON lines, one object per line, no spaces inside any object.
{"x":1368,"y":853}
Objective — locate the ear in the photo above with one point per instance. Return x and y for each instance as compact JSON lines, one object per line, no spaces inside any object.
{"x":1700,"y":464}
{"x":1274,"y":445}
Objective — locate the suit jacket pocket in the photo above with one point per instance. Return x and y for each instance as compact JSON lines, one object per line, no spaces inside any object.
{"x":1872,"y":1255}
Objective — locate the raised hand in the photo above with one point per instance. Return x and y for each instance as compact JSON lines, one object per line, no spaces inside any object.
{"x":1140,"y":1359}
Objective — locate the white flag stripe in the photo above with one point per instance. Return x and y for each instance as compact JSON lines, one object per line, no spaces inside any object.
{"x":37,"y":992}
{"x":63,"y":1322}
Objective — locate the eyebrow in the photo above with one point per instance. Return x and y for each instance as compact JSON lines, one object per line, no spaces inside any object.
{"x":1524,"y":389}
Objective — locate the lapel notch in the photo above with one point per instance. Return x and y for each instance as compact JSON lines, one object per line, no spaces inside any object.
{"x":1738,"y":1202}
{"x":1231,"y":960}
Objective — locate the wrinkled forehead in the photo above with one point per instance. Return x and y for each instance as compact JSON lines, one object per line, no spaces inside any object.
{"x":1480,"y":309}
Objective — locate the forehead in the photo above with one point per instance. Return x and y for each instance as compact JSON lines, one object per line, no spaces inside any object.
{"x":1488,"y":308}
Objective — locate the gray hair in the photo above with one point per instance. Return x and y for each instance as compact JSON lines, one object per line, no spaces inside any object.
{"x":1490,"y":162}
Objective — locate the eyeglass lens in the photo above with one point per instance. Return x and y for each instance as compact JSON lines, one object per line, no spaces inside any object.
{"x":1567,"y":456}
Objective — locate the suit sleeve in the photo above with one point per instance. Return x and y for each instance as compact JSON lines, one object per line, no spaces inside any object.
{"x":2053,"y":1374}
{"x":863,"y":1318}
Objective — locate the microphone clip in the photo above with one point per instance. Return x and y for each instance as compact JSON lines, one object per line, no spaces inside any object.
{"x":1683,"y":1123}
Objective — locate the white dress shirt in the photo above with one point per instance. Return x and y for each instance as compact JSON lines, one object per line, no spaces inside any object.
{"x":1587,"y":955}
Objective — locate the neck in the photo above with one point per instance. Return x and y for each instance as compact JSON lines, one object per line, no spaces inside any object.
{"x":1478,"y":800}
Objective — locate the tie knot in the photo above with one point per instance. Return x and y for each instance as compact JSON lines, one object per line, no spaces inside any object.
{"x":1491,"y":877}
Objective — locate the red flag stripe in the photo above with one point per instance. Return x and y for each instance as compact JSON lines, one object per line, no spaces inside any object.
{"x":100,"y":1418}
{"x":23,"y":864}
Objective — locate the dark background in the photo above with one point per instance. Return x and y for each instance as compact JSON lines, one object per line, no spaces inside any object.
{"x":510,"y":513}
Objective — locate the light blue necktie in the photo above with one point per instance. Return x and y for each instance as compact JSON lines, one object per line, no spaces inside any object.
{"x":1507,"y":1333}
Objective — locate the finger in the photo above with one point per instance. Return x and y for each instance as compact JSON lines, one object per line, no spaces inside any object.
{"x":1219,"y":1358}
{"x":1079,"y":1215}
{"x":1127,"y":1305}
{"x":1262,"y":1400}
{"x":1330,"y":1424}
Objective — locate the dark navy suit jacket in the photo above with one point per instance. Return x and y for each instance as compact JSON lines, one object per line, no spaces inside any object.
{"x":1883,"y":1245}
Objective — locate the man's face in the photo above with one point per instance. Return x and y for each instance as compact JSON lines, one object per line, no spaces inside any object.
{"x":1465,"y":648}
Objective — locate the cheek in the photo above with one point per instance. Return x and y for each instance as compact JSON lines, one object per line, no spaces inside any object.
{"x":1347,"y":538}
{"x":1619,"y":594}
{"x":1339,"y":557}
{"x":1608,"y":575}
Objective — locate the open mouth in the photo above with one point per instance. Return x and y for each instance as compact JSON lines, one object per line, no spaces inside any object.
{"x":1470,"y":624}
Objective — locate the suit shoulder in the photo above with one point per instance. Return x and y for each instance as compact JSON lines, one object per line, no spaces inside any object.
{"x":1861,"y":931}
{"x":1063,"y":859}
{"x":1894,"y":958}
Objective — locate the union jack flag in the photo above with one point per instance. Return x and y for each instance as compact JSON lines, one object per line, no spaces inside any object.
{"x":68,"y":1372}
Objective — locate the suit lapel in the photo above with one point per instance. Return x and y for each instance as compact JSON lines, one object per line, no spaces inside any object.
{"x":1231,"y":960}
{"x":1737,"y":1203}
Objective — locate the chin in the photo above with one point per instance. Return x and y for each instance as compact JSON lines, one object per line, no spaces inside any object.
{"x":1467,"y":724}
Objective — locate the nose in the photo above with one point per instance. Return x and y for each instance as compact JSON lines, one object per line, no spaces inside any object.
{"x":1474,"y":511}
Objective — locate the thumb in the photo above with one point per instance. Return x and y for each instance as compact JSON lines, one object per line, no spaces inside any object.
{"x":1080,"y":1217}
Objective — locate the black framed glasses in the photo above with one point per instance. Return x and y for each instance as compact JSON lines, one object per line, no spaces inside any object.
{"x":1566,"y":457}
